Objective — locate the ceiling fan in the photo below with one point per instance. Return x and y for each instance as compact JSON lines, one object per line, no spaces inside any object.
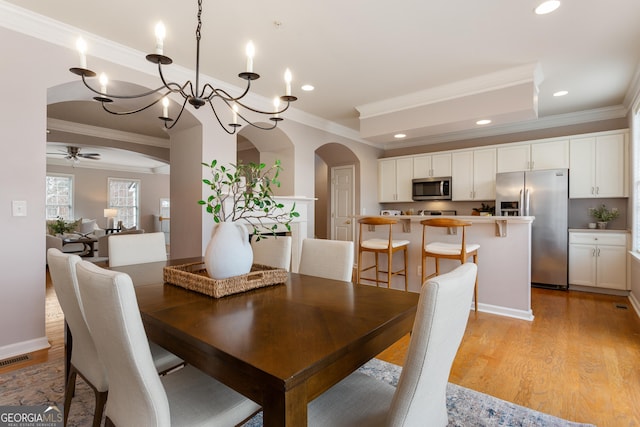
{"x":73,"y":153}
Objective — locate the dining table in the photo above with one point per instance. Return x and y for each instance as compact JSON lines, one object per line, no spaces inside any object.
{"x":280,"y":345}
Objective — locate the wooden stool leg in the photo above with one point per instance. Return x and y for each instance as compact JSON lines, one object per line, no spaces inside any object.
{"x":406,"y":275}
{"x":389,"y":271}
{"x":437,"y":266}
{"x":359,"y":267}
{"x":377,"y":278}
{"x":424,"y":269}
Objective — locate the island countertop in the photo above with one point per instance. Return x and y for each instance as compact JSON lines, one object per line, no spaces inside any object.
{"x":477,"y":219}
{"x":504,"y":257}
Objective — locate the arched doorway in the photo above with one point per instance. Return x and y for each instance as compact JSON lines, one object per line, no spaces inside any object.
{"x":75,"y":119}
{"x":337,"y":190}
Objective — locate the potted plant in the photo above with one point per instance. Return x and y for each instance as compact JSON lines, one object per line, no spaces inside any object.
{"x":485,"y":209}
{"x":59,"y":226}
{"x":604,"y":215}
{"x":241,"y":195}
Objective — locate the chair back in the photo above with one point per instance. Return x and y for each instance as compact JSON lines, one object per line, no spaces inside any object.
{"x":136,"y":394}
{"x":441,"y":319}
{"x":331,"y":259}
{"x":136,"y":249}
{"x":103,"y":241}
{"x":373,"y":221}
{"x":448,"y":223}
{"x":272,"y":251}
{"x":62,"y":268}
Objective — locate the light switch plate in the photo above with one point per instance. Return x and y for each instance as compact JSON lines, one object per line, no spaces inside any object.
{"x":19,"y":207}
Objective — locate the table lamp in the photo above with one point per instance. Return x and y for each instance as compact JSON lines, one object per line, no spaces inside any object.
{"x":110,"y":214}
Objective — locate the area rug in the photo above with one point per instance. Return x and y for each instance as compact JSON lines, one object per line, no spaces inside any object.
{"x":43,"y":384}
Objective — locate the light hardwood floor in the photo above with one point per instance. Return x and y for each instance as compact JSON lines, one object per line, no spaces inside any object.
{"x":579,"y":359}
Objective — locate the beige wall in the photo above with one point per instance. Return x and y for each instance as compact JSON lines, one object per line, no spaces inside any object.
{"x":91,"y":192}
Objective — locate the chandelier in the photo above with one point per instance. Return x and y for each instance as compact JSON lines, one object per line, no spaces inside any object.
{"x":193,"y":94}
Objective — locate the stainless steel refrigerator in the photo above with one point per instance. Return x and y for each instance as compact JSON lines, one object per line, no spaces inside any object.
{"x":545,"y":195}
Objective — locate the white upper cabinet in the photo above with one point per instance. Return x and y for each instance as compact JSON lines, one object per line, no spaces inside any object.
{"x":473,"y":174}
{"x":433,"y":165}
{"x":598,"y":167}
{"x":394,"y":180}
{"x":534,"y":156}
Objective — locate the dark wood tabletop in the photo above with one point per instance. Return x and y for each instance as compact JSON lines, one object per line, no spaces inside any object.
{"x":281,"y":345}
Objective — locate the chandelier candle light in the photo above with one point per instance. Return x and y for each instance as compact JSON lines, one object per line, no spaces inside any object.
{"x":194,"y":95}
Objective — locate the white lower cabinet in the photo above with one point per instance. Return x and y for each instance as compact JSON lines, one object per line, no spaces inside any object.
{"x":598,"y":259}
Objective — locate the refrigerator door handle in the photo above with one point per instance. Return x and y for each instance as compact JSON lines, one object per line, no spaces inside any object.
{"x":521,"y":206}
{"x":526,"y":206}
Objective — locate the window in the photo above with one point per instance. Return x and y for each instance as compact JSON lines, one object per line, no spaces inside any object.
{"x":124,"y":195}
{"x":59,"y":201}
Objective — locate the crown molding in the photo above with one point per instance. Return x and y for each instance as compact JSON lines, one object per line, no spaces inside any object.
{"x":559,"y":120}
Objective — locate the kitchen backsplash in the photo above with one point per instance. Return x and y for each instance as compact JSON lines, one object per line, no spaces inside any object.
{"x":578,"y":209}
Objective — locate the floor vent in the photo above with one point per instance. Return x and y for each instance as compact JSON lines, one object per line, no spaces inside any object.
{"x":622,"y":306}
{"x":11,"y":361}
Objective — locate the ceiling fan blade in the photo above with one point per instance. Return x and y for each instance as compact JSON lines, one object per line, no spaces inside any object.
{"x":92,"y":156}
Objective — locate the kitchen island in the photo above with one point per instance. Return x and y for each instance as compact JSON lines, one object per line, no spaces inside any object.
{"x":504,"y":258}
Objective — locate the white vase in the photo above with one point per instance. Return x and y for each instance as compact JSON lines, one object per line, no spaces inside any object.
{"x":602,"y":225}
{"x":229,"y":251}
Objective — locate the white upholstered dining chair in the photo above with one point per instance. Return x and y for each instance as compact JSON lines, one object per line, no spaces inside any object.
{"x":136,"y":249}
{"x":272,"y":251}
{"x":420,"y":397}
{"x":137,"y":395}
{"x":331,"y":259}
{"x":85,"y":360}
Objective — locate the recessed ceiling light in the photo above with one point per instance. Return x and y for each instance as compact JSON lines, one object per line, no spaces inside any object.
{"x":560,"y":93}
{"x":307,"y":88}
{"x":483,"y":122}
{"x":399,"y":135}
{"x":547,"y":7}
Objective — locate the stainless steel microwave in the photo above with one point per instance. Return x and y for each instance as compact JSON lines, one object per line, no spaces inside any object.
{"x":431,"y":188}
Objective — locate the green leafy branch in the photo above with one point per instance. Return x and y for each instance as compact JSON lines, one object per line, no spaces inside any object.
{"x":245,"y":192}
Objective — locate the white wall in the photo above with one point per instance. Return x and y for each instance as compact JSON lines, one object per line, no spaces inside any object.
{"x":22,"y":176}
{"x":634,"y":259}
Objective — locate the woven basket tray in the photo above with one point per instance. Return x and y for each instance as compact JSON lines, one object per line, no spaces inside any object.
{"x":194,"y":277}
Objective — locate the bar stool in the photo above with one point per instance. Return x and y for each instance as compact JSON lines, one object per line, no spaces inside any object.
{"x":460,"y":251}
{"x":381,"y":246}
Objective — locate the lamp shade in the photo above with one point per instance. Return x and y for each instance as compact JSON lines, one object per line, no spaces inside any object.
{"x":110,"y":214}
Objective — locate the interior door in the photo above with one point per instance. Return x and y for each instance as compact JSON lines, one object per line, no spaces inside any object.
{"x":342,"y":202}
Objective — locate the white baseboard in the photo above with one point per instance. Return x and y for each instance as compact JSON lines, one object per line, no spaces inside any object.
{"x":23,"y":347}
{"x":635,"y":303}
{"x":604,"y":291}
{"x":504,"y":311}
